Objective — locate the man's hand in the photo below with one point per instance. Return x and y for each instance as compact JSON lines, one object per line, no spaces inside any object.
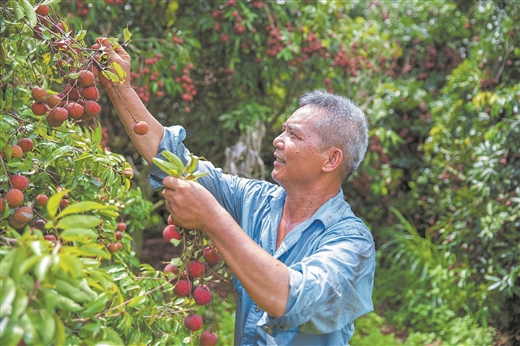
{"x":114,"y":55}
{"x":190,"y":204}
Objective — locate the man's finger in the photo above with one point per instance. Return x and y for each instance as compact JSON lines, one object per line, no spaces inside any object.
{"x":170,"y":182}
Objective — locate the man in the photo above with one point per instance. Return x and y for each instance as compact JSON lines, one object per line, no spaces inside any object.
{"x":303,"y":262}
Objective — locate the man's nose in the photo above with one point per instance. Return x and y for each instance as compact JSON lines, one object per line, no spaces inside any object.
{"x":278,"y":141}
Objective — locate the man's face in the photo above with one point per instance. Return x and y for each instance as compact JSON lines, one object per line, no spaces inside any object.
{"x":298,"y":155}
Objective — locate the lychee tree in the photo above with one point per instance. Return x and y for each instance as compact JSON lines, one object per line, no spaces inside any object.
{"x":68,"y":272}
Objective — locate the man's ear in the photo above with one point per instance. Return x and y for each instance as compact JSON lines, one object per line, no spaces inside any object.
{"x":334,"y":160}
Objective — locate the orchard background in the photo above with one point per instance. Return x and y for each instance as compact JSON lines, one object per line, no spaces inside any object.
{"x":439,"y":188}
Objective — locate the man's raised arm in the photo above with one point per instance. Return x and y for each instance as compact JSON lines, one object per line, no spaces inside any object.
{"x":127,"y":103}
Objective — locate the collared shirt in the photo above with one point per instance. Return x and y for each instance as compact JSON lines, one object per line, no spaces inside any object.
{"x":331,"y":258}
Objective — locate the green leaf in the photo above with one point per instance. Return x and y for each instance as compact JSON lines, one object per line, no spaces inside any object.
{"x":81,"y":235}
{"x":174,"y":159}
{"x":59,"y":336}
{"x":94,"y":250}
{"x":96,"y":306}
{"x":19,"y":304}
{"x":67,"y":304}
{"x":110,"y":76}
{"x":8,"y":295}
{"x":61,"y":151}
{"x":120,"y":72}
{"x":137,"y":301}
{"x":127,"y":35}
{"x":71,"y":291}
{"x":31,"y":13}
{"x":18,"y":10}
{"x":54,"y":203}
{"x":42,"y":267}
{"x":79,"y":221}
{"x":167,"y":167}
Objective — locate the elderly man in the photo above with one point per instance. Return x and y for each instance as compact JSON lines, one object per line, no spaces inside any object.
{"x":303,"y":262}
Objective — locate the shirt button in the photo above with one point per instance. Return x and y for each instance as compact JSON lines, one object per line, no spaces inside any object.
{"x":268,"y":330}
{"x":257,"y":309}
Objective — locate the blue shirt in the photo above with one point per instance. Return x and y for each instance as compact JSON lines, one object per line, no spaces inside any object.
{"x":331,"y":258}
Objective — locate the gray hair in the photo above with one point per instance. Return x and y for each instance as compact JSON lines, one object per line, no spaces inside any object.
{"x":344,"y":126}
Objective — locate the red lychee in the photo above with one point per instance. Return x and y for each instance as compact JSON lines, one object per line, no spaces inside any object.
{"x":71,"y":92}
{"x":196,"y":269}
{"x":141,"y":128}
{"x":90,"y":93}
{"x":121,"y":226}
{"x":39,"y":223}
{"x":42,"y":10}
{"x":183,"y":288}
{"x":16,"y":151}
{"x":211,"y":255}
{"x":119,"y":246}
{"x":14,"y":198}
{"x":26,"y":144}
{"x":15,"y":224}
{"x":55,"y":100}
{"x":23,"y":215}
{"x":92,"y":108}
{"x":86,"y":78}
{"x":193,"y":322}
{"x":2,"y":206}
{"x":39,"y":108}
{"x":112,"y":247}
{"x":64,"y":203}
{"x":119,"y":235}
{"x":39,"y":94}
{"x":170,"y":268}
{"x":202,"y":295}
{"x":208,"y":338}
{"x":128,"y":172}
{"x":75,"y":110}
{"x":170,"y":232}
{"x":50,"y":237}
{"x":18,"y":182}
{"x":57,"y":116}
{"x":41,"y":200}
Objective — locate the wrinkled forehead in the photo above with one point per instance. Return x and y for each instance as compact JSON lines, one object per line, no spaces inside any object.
{"x":306,"y":114}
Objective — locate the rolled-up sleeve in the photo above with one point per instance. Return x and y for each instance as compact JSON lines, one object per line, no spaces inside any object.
{"x":331,"y":288}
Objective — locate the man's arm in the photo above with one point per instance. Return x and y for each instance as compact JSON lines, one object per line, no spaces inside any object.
{"x":128,"y":105}
{"x":265,"y":278}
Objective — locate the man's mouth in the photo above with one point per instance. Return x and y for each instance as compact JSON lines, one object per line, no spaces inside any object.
{"x":278,"y":159}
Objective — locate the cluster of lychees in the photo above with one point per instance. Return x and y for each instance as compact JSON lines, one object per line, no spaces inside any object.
{"x":190,"y":284}
{"x":76,"y":101}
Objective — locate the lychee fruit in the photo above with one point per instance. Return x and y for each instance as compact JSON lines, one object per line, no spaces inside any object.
{"x":86,"y":78}
{"x":75,"y":110}
{"x":14,"y":198}
{"x":141,"y":128}
{"x":15,"y":224}
{"x":208,"y":338}
{"x":2,"y":206}
{"x":18,"y":182}
{"x":183,"y":288}
{"x":170,"y":268}
{"x":39,"y":108}
{"x":71,"y":92}
{"x":112,"y":247}
{"x":57,"y":116}
{"x":90,"y":93}
{"x":170,"y":232}
{"x":193,"y":322}
{"x":23,"y":215}
{"x":196,"y":269}
{"x":16,"y":151}
{"x":119,"y":246}
{"x":50,"y":237}
{"x":121,"y":226}
{"x":41,"y":199}
{"x":42,"y":10}
{"x":26,"y":144}
{"x":128,"y":173}
{"x":39,"y":94}
{"x":55,"y":100}
{"x":92,"y":108}
{"x":64,"y":203}
{"x":39,"y":223}
{"x":202,"y":294}
{"x":211,"y":255}
{"x":119,"y":235}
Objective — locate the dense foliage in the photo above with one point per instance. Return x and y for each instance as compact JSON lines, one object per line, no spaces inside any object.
{"x":439,"y":187}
